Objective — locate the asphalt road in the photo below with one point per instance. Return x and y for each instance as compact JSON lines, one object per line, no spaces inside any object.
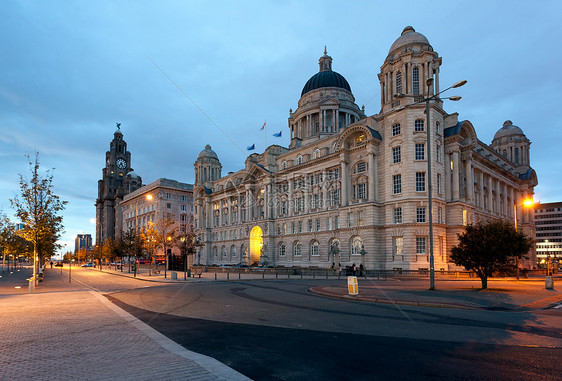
{"x":275,"y":330}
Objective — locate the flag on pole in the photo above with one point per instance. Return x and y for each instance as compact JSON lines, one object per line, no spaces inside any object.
{"x":252,"y":147}
{"x":278,"y":135}
{"x":263,"y":127}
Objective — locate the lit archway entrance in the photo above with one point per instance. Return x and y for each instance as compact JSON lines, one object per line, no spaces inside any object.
{"x":256,"y":244}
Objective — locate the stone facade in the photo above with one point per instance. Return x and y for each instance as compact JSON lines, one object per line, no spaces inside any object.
{"x":155,"y":201}
{"x":353,"y":188}
{"x":118,"y":179}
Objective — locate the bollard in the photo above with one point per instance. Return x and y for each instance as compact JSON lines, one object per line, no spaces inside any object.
{"x":549,"y":283}
{"x":352,"y":286}
{"x":215,"y":276}
{"x":31,"y":285}
{"x":227,"y":275}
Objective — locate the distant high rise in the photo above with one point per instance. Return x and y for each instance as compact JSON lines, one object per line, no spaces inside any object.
{"x":548,"y":221}
{"x":83,"y":241}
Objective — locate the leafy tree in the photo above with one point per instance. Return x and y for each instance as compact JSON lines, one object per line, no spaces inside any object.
{"x":186,"y":242}
{"x":166,"y":233}
{"x":489,"y":248}
{"x":11,"y":244}
{"x":133,"y":244}
{"x":150,"y":239}
{"x":38,"y":208}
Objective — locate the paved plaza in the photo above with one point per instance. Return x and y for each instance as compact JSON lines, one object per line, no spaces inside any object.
{"x":67,"y":332}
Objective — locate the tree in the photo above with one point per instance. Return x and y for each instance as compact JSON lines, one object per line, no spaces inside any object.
{"x":133,"y":245}
{"x":150,"y":239}
{"x":489,"y":248}
{"x":187,"y":243}
{"x":167,"y":230}
{"x":11,"y":244}
{"x":38,"y":208}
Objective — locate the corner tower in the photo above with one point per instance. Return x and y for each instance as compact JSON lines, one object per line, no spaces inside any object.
{"x":410,"y":62}
{"x":207,"y":168}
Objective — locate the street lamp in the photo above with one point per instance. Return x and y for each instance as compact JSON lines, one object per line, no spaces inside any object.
{"x":528,"y":202}
{"x":427,"y":99}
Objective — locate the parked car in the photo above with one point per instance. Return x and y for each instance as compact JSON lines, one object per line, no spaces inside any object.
{"x":241,"y":266}
{"x":88,"y":264}
{"x":58,"y":264}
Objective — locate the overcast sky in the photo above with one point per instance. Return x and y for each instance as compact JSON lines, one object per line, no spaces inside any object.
{"x":69,"y":70}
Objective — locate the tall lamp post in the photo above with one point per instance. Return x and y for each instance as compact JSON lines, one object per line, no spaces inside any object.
{"x":528,"y":202}
{"x":421,"y":99}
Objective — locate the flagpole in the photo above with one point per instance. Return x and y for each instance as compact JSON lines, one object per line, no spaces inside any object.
{"x":265,"y":130}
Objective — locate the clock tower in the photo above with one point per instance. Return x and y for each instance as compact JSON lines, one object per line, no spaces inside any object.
{"x":118,"y":179}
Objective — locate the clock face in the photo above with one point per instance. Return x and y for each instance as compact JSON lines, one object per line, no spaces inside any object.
{"x":121,"y":163}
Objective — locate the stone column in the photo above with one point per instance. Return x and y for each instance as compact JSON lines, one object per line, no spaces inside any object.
{"x":324,"y":190}
{"x":291,"y":207}
{"x":469,"y":180}
{"x":344,"y":179}
{"x":456,"y":184}
{"x":372,"y":176}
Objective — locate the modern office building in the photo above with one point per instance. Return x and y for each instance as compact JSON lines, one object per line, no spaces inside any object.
{"x":548,"y":221}
{"x":353,"y":188}
{"x":82,"y":241}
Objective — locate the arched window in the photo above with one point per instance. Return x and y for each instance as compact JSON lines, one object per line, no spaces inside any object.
{"x":314,"y":248}
{"x":356,"y":245}
{"x":297,"y":248}
{"x":299,"y":159}
{"x":215,"y":252}
{"x":316,"y":154}
{"x":398,"y":82}
{"x":223,"y":252}
{"x":233,"y":251}
{"x":284,"y":164}
{"x":282,"y":249}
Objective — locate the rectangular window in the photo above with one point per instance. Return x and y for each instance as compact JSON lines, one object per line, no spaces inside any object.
{"x":361,"y":167}
{"x":420,"y":214}
{"x":336,"y":222}
{"x":360,"y":218}
{"x":418,"y":125}
{"x":361,"y":191}
{"x":183,"y":198}
{"x":293,"y":228}
{"x":397,"y":184}
{"x":168,"y":205}
{"x":309,"y":225}
{"x":420,"y":151}
{"x":283,"y":207}
{"x":439,"y":183}
{"x":397,"y":245}
{"x":329,"y":223}
{"x":438,"y":154}
{"x":421,"y":243}
{"x":349,"y":219}
{"x":396,"y":155}
{"x":284,"y":228}
{"x":464,"y":217}
{"x":335,"y":197}
{"x":441,"y":246}
{"x":420,"y":181}
{"x":396,"y":129}
{"x":183,"y":208}
{"x":300,"y":226}
{"x":416,"y":81}
{"x":439,"y":215}
{"x":398,"y":82}
{"x":317,"y":224}
{"x":397,"y":215}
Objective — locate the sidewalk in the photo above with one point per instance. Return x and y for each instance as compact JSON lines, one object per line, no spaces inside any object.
{"x":64,"y":331}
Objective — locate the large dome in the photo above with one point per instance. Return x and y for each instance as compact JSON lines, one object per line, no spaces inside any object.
{"x":207,"y":153}
{"x":409,"y":36}
{"x":508,"y":129}
{"x":325,"y":79}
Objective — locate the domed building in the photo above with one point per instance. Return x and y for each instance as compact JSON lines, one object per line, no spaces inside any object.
{"x":353,"y":188}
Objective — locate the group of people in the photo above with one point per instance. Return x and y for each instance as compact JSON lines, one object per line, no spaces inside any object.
{"x":351,"y":270}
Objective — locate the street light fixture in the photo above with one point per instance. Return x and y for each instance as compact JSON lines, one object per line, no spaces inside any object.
{"x":427,"y":98}
{"x":528,"y":202}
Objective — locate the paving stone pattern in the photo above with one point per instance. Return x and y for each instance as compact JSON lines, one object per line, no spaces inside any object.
{"x":74,"y":335}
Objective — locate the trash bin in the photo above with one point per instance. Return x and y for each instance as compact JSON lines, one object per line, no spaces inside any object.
{"x":549,"y":283}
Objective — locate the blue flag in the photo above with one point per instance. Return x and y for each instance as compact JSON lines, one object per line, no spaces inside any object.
{"x":252,"y":147}
{"x":278,"y":135}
